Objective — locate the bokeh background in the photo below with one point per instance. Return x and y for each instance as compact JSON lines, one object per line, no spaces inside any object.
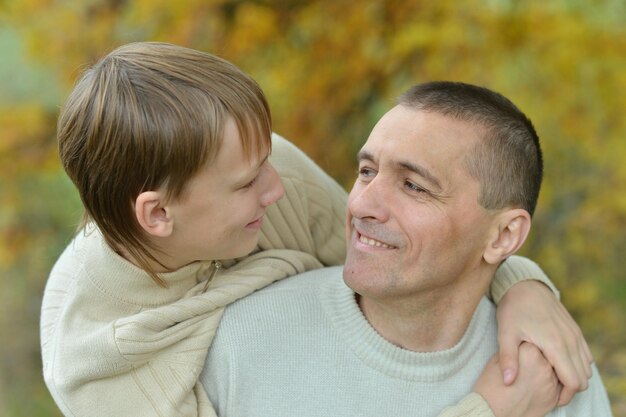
{"x":330,"y":70}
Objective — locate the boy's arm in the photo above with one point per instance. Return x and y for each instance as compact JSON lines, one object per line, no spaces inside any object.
{"x":514,"y":270}
{"x":172,"y":340}
{"x":531,"y":312}
{"x":534,"y":393}
{"x":311,"y":216}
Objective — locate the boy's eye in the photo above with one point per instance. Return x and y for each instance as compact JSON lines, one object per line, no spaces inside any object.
{"x":251,"y":183}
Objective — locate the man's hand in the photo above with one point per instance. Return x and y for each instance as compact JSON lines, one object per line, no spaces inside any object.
{"x":530,"y":312}
{"x":535,"y":391}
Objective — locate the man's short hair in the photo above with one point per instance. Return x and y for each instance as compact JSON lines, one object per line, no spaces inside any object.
{"x":508,"y":162}
{"x":148,"y":116}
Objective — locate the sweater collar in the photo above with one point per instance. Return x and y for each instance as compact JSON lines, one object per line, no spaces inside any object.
{"x":124,"y":281}
{"x":352,"y":326}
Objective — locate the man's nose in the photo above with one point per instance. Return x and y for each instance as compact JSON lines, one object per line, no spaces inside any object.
{"x":370,"y":201}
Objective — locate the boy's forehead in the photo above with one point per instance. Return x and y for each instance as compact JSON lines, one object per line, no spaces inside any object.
{"x":256,"y":142}
{"x":248,"y":132}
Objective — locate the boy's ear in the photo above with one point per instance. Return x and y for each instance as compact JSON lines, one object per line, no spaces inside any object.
{"x":152,"y":214}
{"x":509,"y":234}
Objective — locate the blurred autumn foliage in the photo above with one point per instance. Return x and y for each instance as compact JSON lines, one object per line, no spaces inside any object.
{"x":330,"y":70}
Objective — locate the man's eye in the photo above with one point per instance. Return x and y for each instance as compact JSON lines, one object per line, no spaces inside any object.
{"x":414,"y":187}
{"x":365,"y":172}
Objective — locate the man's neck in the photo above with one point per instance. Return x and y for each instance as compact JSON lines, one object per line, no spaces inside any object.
{"x":429,"y":323}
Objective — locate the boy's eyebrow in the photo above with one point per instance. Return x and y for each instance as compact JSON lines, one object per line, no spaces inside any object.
{"x":405,"y":165}
{"x":244,"y":178}
{"x":262,"y":161}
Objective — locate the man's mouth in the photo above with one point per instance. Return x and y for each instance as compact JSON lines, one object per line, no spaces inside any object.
{"x":373,"y":242}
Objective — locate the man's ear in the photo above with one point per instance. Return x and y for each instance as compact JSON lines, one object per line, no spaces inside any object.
{"x":153,"y":215}
{"x":510,"y":230}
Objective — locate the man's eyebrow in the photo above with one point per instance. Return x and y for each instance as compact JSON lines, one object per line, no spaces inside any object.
{"x":421,"y":171}
{"x":364,"y":155}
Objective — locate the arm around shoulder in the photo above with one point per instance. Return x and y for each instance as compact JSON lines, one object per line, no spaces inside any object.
{"x":514,"y":270}
{"x":311,"y":216}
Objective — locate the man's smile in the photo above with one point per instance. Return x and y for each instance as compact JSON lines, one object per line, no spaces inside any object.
{"x":373,"y":242}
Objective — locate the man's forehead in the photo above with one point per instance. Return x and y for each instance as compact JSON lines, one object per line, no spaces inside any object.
{"x":427,"y":143}
{"x":406,"y":128}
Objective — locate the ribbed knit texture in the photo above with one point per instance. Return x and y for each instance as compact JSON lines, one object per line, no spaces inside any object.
{"x":517,"y":269}
{"x":116,"y":344}
{"x":472,"y":405}
{"x":302,"y":347}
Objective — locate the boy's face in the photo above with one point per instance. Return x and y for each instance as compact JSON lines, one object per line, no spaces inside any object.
{"x":221,"y":210}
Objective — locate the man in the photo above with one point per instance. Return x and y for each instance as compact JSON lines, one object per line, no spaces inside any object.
{"x":448,"y":181}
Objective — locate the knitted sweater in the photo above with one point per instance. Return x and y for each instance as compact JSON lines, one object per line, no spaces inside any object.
{"x":320,"y":357}
{"x":115,"y":344}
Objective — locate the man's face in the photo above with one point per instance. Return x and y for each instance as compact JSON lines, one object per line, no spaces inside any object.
{"x":414,"y":222}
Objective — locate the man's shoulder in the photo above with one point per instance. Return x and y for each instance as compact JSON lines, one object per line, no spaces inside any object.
{"x":307,"y":283}
{"x":278,"y":305}
{"x":276,"y":312}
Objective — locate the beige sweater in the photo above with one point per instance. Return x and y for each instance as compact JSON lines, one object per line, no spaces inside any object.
{"x":115,"y":344}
